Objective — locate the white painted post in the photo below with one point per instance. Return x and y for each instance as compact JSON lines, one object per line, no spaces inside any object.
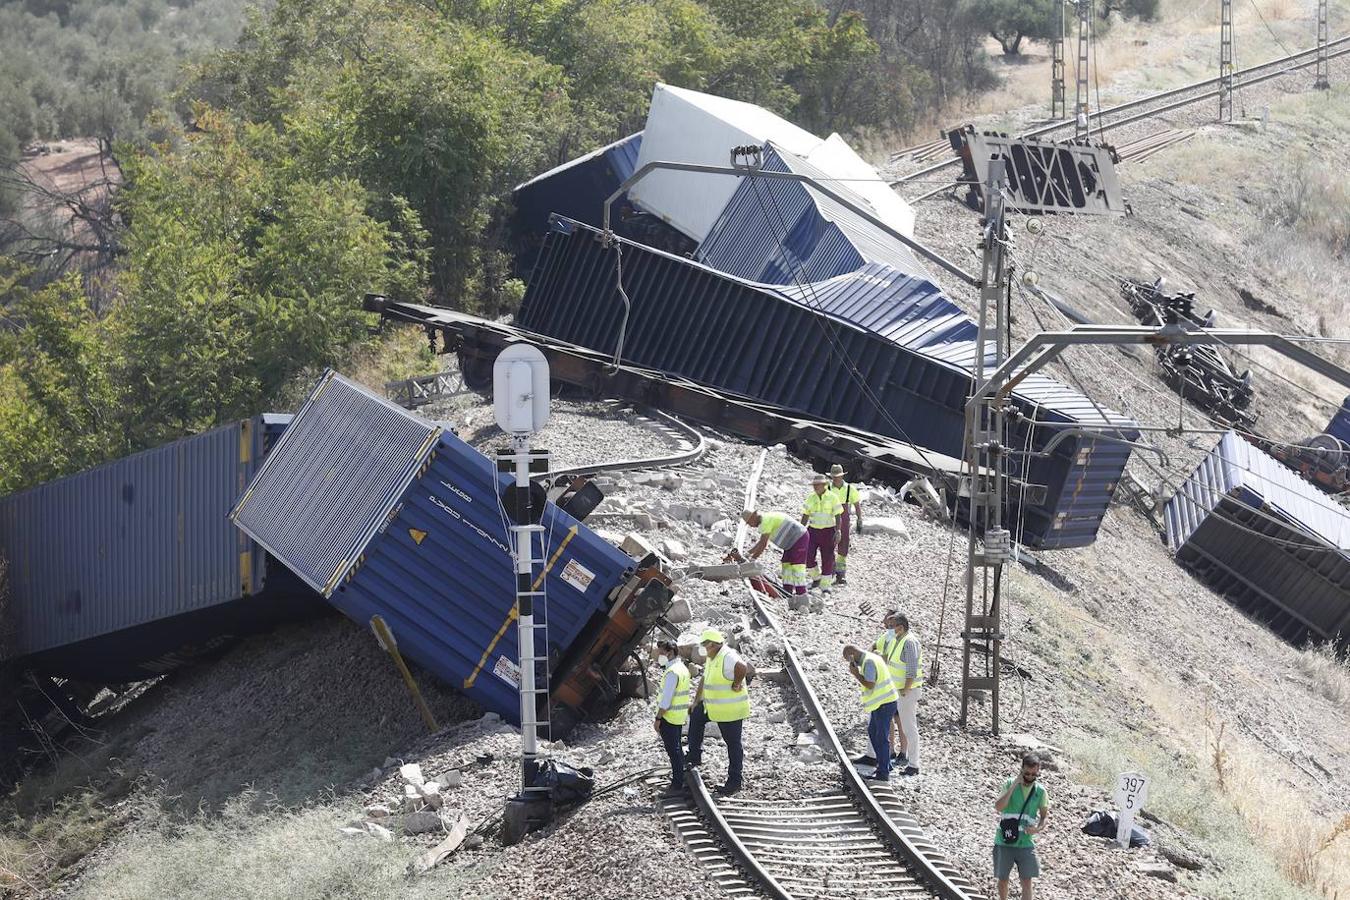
{"x":521,"y":405}
{"x":1131,"y":794}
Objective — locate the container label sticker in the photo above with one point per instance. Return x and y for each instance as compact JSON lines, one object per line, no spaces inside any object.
{"x":507,"y":671}
{"x":577,"y":575}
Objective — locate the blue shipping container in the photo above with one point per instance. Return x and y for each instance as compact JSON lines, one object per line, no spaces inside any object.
{"x":406,"y":522}
{"x":782,"y":232}
{"x":808,"y":349}
{"x":1339,"y":426}
{"x":122,"y":572}
{"x":1257,"y":532}
{"x":576,"y":189}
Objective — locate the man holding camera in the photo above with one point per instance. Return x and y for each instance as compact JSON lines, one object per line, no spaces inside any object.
{"x":1022,"y":809}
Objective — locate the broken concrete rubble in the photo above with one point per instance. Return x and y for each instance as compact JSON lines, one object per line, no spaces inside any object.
{"x":422,"y":822}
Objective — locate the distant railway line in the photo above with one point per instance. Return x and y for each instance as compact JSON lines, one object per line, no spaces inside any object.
{"x":1123,"y":114}
{"x":854,"y":840}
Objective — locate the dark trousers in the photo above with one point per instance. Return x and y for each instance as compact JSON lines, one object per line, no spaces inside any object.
{"x":670,"y":736}
{"x":879,"y":733}
{"x":731,"y":736}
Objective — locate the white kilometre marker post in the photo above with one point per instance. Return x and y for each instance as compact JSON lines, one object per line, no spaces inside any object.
{"x":1131,"y":794}
{"x":520,"y":400}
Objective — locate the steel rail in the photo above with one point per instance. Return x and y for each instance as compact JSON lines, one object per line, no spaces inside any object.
{"x":691,"y":435}
{"x":877,"y":457}
{"x":1153,"y":98}
{"x":745,"y":859}
{"x":902,"y":844}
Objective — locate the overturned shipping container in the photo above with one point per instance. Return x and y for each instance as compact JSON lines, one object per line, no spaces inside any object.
{"x":1260,"y":535}
{"x":876,"y":349}
{"x":128,"y":569}
{"x":408,"y":523}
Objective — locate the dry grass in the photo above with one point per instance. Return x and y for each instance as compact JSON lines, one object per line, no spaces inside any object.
{"x":251,"y":850}
{"x":53,"y":820}
{"x":1328,"y":667}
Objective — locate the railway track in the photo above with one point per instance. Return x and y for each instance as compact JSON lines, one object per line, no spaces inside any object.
{"x":1136,"y":110}
{"x":854,"y":840}
{"x":874,"y":457}
{"x":689,"y":444}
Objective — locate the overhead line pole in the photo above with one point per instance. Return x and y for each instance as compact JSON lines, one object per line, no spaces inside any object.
{"x":1322,"y":79}
{"x":1058,"y":99}
{"x":985,"y":454}
{"x":1082,"y":122}
{"x":1226,"y":61}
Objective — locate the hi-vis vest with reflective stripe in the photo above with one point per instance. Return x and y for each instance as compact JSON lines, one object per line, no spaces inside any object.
{"x":847,"y":493}
{"x":678,"y":713}
{"x":893,"y":650}
{"x":721,"y":702}
{"x":782,"y":531}
{"x":883,"y":691}
{"x":821,"y":509}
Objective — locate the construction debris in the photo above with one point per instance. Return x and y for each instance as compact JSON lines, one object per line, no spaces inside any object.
{"x":438,"y":854}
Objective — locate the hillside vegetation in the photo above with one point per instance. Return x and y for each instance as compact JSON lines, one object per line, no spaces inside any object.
{"x":342,"y":147}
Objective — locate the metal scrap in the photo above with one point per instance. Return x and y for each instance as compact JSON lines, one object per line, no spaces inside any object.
{"x":1197,"y":371}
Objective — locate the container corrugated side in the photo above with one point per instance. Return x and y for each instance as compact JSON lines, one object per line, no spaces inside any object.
{"x":755,"y":340}
{"x":125,"y":562}
{"x":782,"y":232}
{"x":576,"y":189}
{"x":437,"y":565}
{"x":1249,"y":526}
{"x":1339,"y":426}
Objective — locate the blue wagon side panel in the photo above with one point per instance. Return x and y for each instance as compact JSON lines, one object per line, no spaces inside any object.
{"x":437,"y":566}
{"x":796,"y":348}
{"x":116,"y":570}
{"x":782,"y":232}
{"x":1260,"y":534}
{"x":576,"y":189}
{"x":1339,"y":427}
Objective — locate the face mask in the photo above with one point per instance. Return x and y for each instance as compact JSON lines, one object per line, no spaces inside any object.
{"x":662,"y":659}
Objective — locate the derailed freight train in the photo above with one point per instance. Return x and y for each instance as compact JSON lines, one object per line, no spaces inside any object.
{"x":877,"y":349}
{"x":127,"y":570}
{"x":387,"y":514}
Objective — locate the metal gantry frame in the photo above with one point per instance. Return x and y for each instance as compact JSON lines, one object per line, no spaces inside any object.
{"x":985,"y":416}
{"x":1226,"y":85}
{"x":1322,"y":78}
{"x":983,"y":631}
{"x":1082,"y":122}
{"x":1058,"y":98}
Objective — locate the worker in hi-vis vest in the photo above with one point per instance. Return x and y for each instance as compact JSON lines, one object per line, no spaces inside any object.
{"x":672,"y":710}
{"x":904,"y":658}
{"x":848,"y":496}
{"x":878,"y":699}
{"x":723,"y":697}
{"x":788,"y":535}
{"x":820,"y":515}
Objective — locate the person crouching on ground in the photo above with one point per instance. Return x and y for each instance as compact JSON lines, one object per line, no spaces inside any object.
{"x":1022,"y":809}
{"x":786,"y":534}
{"x":878,"y":699}
{"x":672,"y":710}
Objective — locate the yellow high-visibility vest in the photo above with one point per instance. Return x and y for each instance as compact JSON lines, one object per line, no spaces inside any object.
{"x":821,"y":509}
{"x":722,"y":703}
{"x":893,"y":650}
{"x":883,"y":691}
{"x":678,"y":713}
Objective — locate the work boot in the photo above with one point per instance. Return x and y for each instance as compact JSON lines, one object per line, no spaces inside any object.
{"x":841,"y":580}
{"x":910,"y":771}
{"x":673,"y":792}
{"x":726,"y":790}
